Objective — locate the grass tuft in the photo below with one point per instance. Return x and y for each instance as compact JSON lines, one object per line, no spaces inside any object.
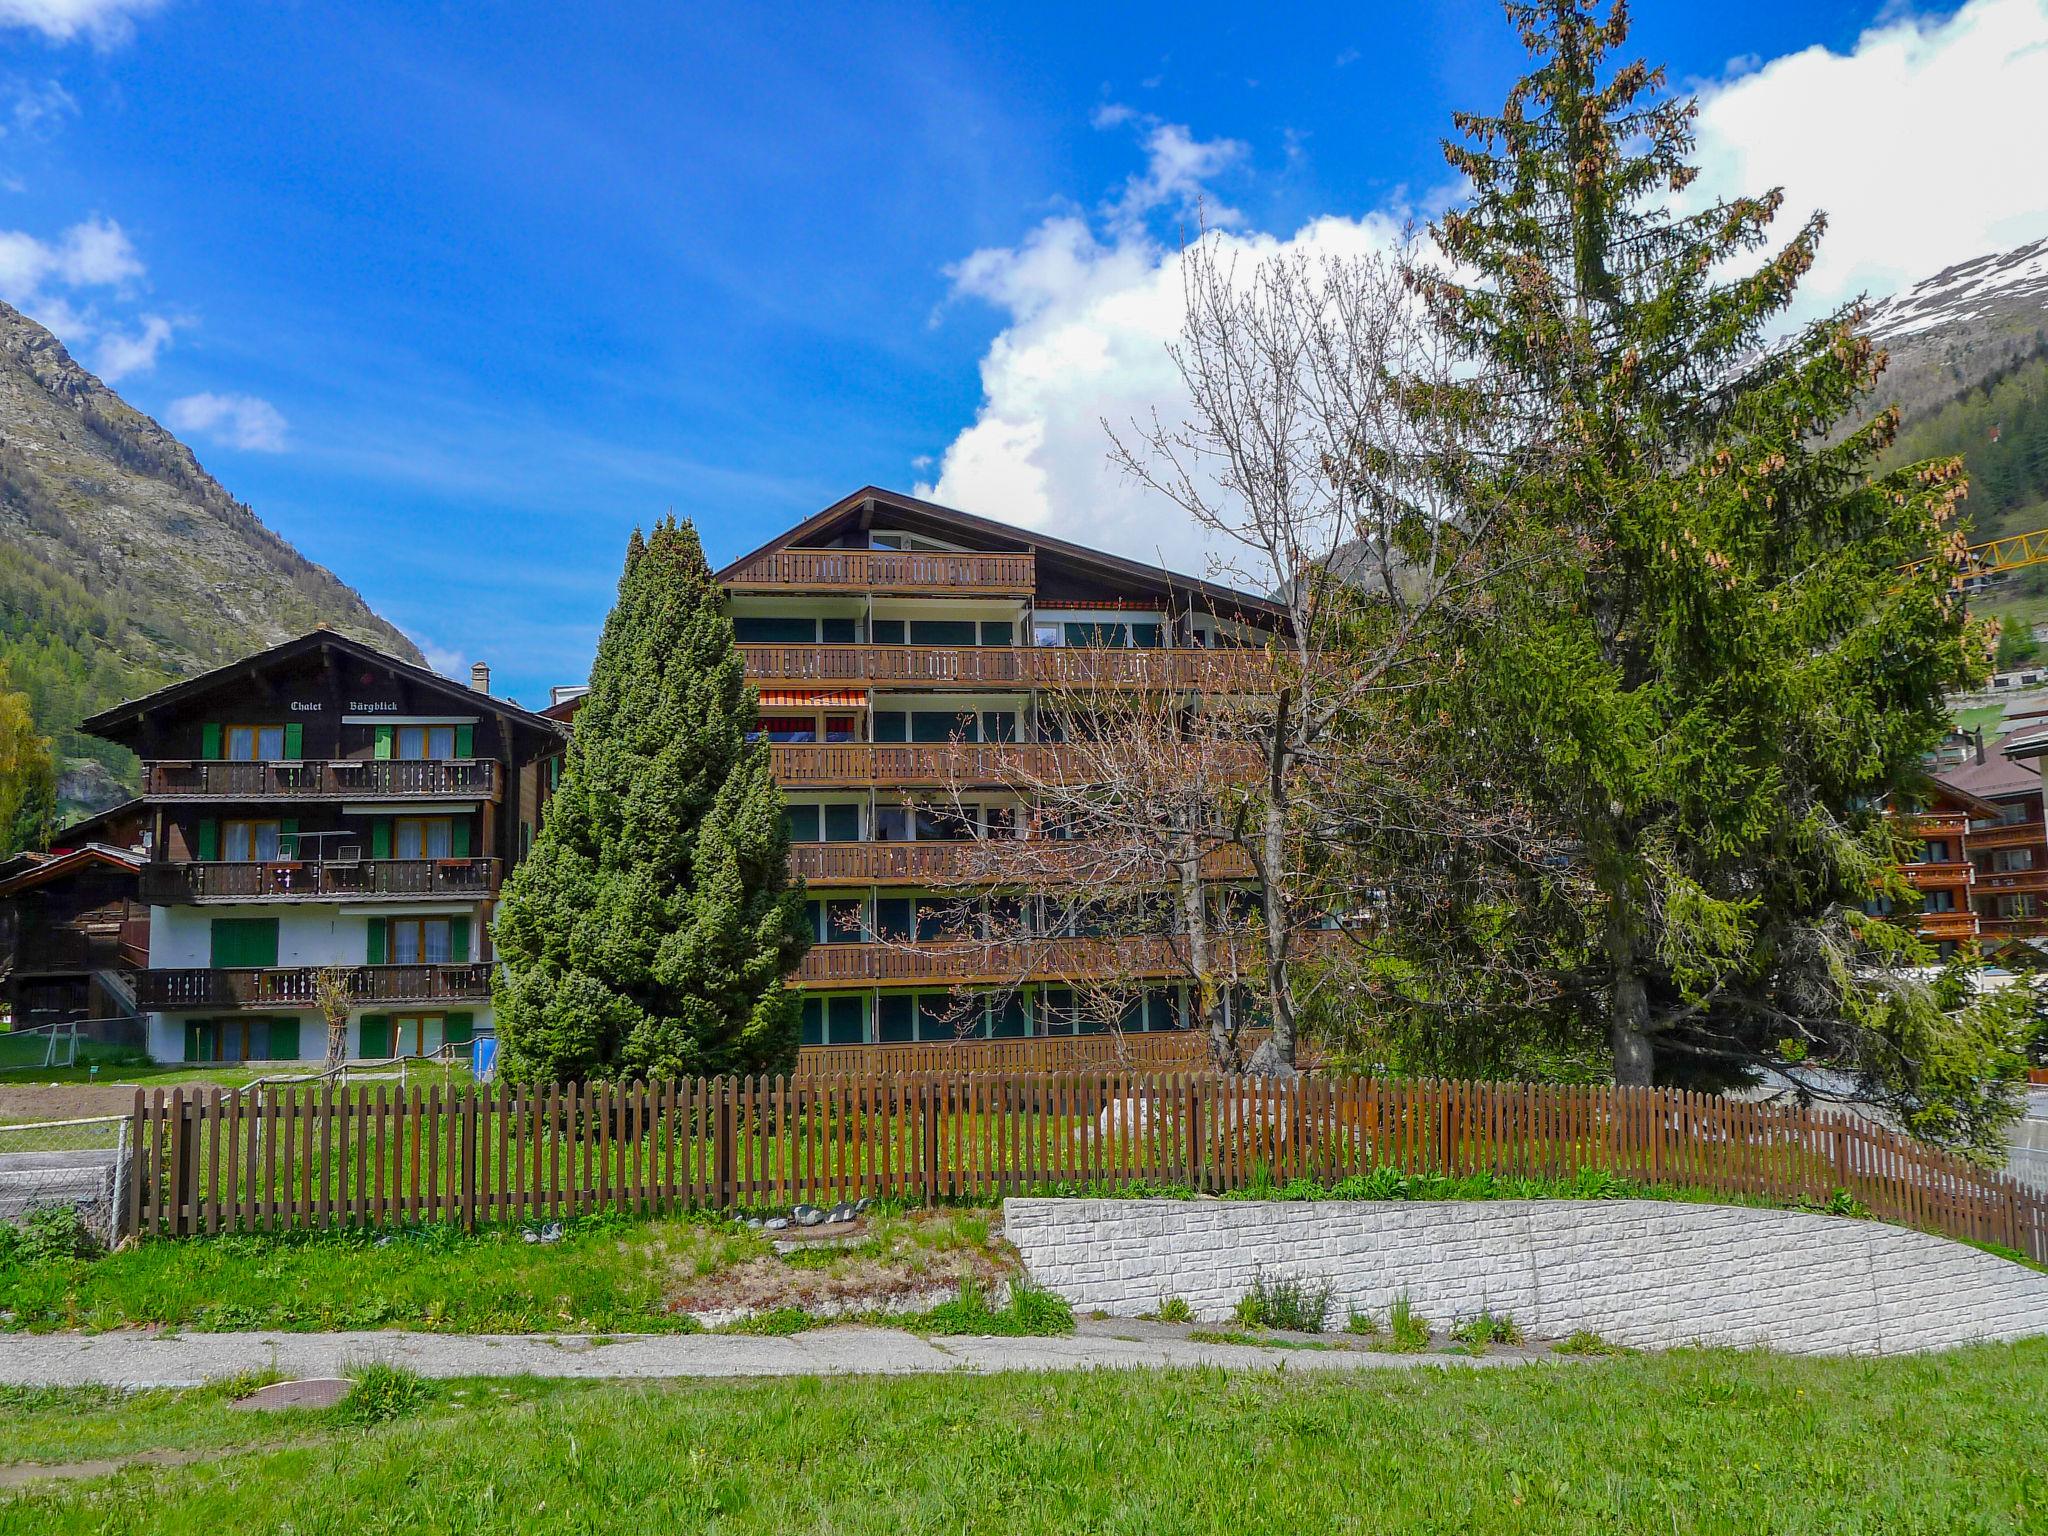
{"x":1407,"y":1330}
{"x":381,"y":1392}
{"x":1298,"y":1305}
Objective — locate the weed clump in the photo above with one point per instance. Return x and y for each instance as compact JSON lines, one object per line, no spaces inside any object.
{"x":1301,"y":1306}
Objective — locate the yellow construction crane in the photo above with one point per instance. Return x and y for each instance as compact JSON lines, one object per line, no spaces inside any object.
{"x":1998,"y":555}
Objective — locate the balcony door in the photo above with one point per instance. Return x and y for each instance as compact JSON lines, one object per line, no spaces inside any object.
{"x":423,"y":837}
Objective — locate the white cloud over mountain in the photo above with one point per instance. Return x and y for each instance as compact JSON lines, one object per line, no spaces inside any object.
{"x":240,"y":421}
{"x":104,"y":22}
{"x":1924,"y":142}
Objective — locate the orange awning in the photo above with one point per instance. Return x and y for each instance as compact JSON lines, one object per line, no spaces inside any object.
{"x":812,"y":698}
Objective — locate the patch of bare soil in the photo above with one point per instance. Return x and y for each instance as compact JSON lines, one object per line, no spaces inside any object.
{"x":869,"y":1263}
{"x":17,"y":1474}
{"x":63,"y":1101}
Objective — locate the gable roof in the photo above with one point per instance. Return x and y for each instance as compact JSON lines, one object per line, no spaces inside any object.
{"x":2001,"y":772}
{"x":124,"y":716}
{"x":70,"y":863}
{"x":913,"y":515}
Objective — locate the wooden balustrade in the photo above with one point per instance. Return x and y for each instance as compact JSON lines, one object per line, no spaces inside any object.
{"x":858,"y":764}
{"x":1008,"y":573}
{"x":1005,"y":667}
{"x":2005,"y":834}
{"x":972,"y":962}
{"x":1946,"y":875}
{"x":292,"y":987}
{"x":2013,"y":881}
{"x":990,"y":860}
{"x":347,"y":779}
{"x":167,"y":884}
{"x":1948,"y":925}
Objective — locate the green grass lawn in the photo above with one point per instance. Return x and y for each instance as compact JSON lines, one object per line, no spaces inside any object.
{"x":1681,"y":1443}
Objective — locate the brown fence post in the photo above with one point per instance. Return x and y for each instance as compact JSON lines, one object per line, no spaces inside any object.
{"x":1194,"y":1133}
{"x":139,"y":1167}
{"x":929,"y":1103}
{"x":467,"y":1172}
{"x":726,"y":1186}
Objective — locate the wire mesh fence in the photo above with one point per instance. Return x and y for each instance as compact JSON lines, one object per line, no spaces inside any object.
{"x":80,"y":1164}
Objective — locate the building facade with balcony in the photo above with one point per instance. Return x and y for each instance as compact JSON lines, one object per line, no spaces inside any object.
{"x":322,"y":807}
{"x":908,"y":658}
{"x":2005,"y":842}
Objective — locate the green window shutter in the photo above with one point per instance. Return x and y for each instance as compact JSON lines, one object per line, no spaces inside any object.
{"x":294,"y":740}
{"x":209,"y":841}
{"x":385,"y":737}
{"x":458,"y":838}
{"x":380,"y":838}
{"x":373,"y":1036}
{"x":554,"y":773}
{"x":284,"y":1039}
{"x":458,"y":938}
{"x":209,"y":741}
{"x":199,"y":1040}
{"x":375,"y":949}
{"x":288,"y":838}
{"x":458,"y":1028}
{"x":242,"y":942}
{"x":465,"y":741}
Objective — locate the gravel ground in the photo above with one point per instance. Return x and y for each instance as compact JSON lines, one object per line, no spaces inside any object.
{"x":133,"y":1359}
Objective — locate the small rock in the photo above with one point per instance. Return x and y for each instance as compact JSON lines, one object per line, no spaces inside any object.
{"x":774,"y":1224}
{"x":809,"y":1216}
{"x":862,"y":1204}
{"x":551,"y":1233}
{"x":841,"y":1212}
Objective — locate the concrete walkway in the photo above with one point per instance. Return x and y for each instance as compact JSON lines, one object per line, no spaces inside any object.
{"x":189,"y":1359}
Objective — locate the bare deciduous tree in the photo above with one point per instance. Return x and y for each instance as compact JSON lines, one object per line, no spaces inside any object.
{"x":334,"y":988}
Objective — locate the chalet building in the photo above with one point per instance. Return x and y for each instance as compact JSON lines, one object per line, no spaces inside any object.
{"x":2006,"y":843}
{"x":323,"y":805}
{"x":74,"y":931}
{"x":905,"y":656}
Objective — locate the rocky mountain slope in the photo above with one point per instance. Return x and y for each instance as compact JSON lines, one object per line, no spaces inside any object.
{"x":1963,"y":327}
{"x":123,"y":564}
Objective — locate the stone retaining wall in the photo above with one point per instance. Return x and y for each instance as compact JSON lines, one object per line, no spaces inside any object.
{"x":1645,"y":1273}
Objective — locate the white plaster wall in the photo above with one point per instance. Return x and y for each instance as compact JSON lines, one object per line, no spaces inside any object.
{"x":1645,"y":1273}
{"x":164,"y":1033}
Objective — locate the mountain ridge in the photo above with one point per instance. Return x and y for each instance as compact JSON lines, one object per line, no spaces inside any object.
{"x":124,"y":564}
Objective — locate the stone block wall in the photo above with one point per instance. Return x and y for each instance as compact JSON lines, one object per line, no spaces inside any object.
{"x":1645,"y":1273}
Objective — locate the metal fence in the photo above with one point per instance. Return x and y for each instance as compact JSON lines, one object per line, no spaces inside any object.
{"x":83,"y":1164}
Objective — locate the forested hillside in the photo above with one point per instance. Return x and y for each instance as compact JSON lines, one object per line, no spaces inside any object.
{"x":123,"y":564}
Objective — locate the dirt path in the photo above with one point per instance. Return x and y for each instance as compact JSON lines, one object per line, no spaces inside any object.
{"x":22,"y":1473}
{"x":69,"y":1101}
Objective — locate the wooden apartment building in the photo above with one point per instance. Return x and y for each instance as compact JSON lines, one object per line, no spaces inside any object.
{"x":322,"y":805}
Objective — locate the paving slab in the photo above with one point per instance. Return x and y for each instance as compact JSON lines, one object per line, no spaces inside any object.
{"x":136,"y":1360}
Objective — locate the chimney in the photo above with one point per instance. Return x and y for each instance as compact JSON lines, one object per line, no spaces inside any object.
{"x":480,"y":676}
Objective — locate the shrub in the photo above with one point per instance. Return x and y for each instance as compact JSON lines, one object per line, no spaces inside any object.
{"x":1030,"y":1312}
{"x":1359,"y":1322}
{"x":1302,"y":1306}
{"x":46,"y":1234}
{"x":1407,"y":1331}
{"x":382,"y":1392}
{"x":1487,"y":1329}
{"x":1174,"y":1309}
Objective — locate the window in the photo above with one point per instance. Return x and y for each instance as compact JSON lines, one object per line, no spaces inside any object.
{"x":424,"y":743}
{"x":893,"y":917}
{"x":896,"y":1018}
{"x":756,"y":630}
{"x":941,"y":725}
{"x":1934,"y":851}
{"x":892,"y":725}
{"x":1001,"y":725}
{"x":802,"y":821}
{"x":420,"y":941}
{"x":943,"y":1017}
{"x":1938,"y":901}
{"x":839,"y":631}
{"x":423,"y":837}
{"x":942,"y":631}
{"x":787,"y":728}
{"x":842,"y":823}
{"x":997,"y":631}
{"x":837,"y":921}
{"x":1048,"y":634}
{"x":254,"y":743}
{"x":886,"y":631}
{"x":846,"y":1020}
{"x":842,"y":728}
{"x":893,"y":823}
{"x":251,"y":842}
{"x":1162,"y":1009}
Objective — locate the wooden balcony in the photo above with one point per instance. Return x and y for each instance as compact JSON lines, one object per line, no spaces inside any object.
{"x":857,"y":764}
{"x":1004,"y":667}
{"x":2013,"y":882}
{"x":170,"y":884}
{"x":291,"y":987}
{"x":1935,"y":926}
{"x":967,"y":962}
{"x":2006,"y":834}
{"x":1948,"y":824}
{"x":68,"y":951}
{"x":375,"y":779}
{"x":2005,"y":927}
{"x":914,"y":572}
{"x":1950,"y":876}
{"x":829,"y":864}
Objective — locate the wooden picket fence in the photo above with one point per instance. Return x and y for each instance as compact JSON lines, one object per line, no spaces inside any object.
{"x":322,"y":1156}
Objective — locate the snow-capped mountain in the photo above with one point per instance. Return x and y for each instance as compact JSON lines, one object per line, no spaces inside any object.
{"x":1958,"y":328}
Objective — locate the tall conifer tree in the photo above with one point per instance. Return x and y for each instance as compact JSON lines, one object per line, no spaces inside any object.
{"x":648,"y":932}
{"x":1716,"y":661}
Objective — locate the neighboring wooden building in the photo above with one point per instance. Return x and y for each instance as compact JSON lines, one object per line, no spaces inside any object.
{"x":321,"y":804}
{"x":73,"y":935}
{"x":2006,"y":841}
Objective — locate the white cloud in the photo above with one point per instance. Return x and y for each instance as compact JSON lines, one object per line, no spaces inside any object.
{"x":240,"y":421}
{"x":119,"y":354}
{"x":1927,"y":143}
{"x":105,"y":22}
{"x":92,"y":253}
{"x":35,"y":110}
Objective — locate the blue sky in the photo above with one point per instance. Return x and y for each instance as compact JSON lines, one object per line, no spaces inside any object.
{"x":455,"y":295}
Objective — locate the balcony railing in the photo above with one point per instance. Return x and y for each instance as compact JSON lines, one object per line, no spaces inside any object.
{"x":1941,"y":823}
{"x":2005,"y":834}
{"x":48,"y":951}
{"x":168,"y":884}
{"x":967,"y":962}
{"x":1939,"y":876}
{"x":2013,"y":881}
{"x":1005,"y":667}
{"x":352,"y":779}
{"x":292,"y":987}
{"x":888,"y":570}
{"x":1018,"y":765}
{"x":1949,"y":925}
{"x":992,"y":861}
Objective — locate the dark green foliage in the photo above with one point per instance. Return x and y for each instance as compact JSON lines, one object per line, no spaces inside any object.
{"x":1710,"y":670}
{"x":45,"y":1235}
{"x":649,"y":932}
{"x":1301,"y":1306}
{"x":379,"y":1392}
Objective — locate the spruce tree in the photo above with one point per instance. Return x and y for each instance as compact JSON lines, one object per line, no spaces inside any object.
{"x":1717,"y":661}
{"x":648,"y":932}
